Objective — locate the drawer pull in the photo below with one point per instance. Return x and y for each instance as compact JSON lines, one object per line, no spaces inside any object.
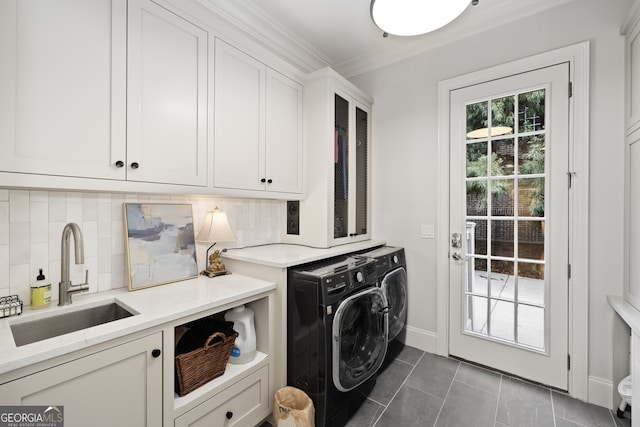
{"x":156,"y":352}
{"x":229,"y":415}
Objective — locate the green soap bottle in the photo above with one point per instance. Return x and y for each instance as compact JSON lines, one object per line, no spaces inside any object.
{"x":40,"y":292}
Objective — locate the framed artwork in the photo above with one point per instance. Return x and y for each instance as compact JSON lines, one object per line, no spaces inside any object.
{"x":160,"y":243}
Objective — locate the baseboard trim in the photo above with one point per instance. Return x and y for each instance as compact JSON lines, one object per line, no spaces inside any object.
{"x":601,"y":392}
{"x":421,"y":339}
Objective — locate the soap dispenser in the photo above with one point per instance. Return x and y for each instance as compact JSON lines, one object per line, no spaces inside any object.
{"x":40,"y":292}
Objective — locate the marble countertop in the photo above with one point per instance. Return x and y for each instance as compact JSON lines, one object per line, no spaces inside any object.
{"x":289,"y":255}
{"x":154,"y":306}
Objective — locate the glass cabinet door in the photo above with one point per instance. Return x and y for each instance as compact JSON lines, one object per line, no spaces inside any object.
{"x":362,"y":171}
{"x":341,"y":165}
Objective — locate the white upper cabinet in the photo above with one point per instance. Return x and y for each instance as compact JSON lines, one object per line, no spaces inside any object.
{"x":337,"y":209}
{"x":62,"y":86}
{"x":258,"y":125}
{"x":284,"y":152}
{"x":166,"y":98}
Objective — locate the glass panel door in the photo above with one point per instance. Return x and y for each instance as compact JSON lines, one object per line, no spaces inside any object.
{"x":505,"y":193}
{"x":362,"y":171}
{"x":341,"y":165}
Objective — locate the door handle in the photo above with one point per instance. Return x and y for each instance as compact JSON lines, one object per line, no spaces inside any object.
{"x":456,"y":240}
{"x":457,"y":257}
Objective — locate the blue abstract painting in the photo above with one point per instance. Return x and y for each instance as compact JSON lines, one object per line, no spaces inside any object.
{"x":160,"y":243}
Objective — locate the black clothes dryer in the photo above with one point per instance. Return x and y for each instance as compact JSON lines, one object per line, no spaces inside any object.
{"x":391,"y":267}
{"x":336,"y":335}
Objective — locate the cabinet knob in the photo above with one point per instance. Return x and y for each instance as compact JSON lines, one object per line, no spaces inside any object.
{"x":229,"y":415}
{"x":119,"y":164}
{"x":156,"y":352}
{"x":269,"y":181}
{"x":263,"y":180}
{"x":135,"y":165}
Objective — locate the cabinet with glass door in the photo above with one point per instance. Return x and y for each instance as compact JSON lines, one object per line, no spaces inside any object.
{"x":337,"y":209}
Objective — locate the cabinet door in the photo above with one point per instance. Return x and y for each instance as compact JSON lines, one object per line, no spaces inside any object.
{"x":166,"y":97}
{"x":115,"y":387}
{"x":239,"y":120}
{"x":352,"y":180}
{"x":62,"y":86}
{"x":284,"y":134}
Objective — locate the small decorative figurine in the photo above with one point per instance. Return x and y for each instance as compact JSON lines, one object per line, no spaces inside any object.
{"x":216,"y":266}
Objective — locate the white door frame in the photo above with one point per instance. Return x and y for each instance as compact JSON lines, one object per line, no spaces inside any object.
{"x":578,"y":57}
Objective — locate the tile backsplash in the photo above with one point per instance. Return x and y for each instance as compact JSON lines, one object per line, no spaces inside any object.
{"x":31,"y":224}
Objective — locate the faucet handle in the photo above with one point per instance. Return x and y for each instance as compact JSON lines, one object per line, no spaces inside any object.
{"x":85,"y":286}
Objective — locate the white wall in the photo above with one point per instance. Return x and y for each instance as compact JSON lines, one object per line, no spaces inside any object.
{"x":405,"y":152}
{"x":31,"y":224}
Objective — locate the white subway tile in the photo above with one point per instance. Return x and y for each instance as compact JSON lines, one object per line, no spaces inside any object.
{"x":4,"y":223}
{"x":117,"y":238}
{"x":38,"y":196}
{"x":19,"y":282}
{"x":4,"y":195}
{"x":55,"y":240}
{"x":90,"y":236}
{"x":39,"y":222}
{"x":38,"y":258}
{"x":104,"y":255}
{"x":18,"y":206}
{"x":4,"y":266}
{"x":19,"y":243}
{"x":57,"y":206}
{"x":104,"y":282}
{"x":89,"y":207}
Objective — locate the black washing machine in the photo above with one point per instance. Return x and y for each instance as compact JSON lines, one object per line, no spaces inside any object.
{"x":337,"y":331}
{"x":391,"y":267}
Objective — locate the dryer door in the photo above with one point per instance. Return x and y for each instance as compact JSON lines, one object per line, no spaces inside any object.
{"x":360,"y":331}
{"x":394,"y":287}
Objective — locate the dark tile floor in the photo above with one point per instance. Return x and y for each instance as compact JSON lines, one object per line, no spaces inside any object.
{"x":420,"y":389}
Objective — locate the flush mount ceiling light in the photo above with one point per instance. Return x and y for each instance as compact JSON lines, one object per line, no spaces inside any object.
{"x":415,"y":17}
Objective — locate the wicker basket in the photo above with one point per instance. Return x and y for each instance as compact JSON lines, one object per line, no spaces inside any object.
{"x":200,"y":366}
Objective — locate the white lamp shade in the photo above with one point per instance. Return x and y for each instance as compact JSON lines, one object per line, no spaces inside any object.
{"x":414,"y":17}
{"x":216,"y":228}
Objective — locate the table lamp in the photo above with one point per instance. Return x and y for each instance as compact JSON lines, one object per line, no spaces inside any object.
{"x":215,"y":229}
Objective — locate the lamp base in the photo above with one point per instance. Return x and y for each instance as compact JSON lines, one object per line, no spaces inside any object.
{"x":211,"y":274}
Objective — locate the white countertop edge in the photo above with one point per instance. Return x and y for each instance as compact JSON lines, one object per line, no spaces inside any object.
{"x":283,"y":255}
{"x":156,"y":306}
{"x":626,"y":311}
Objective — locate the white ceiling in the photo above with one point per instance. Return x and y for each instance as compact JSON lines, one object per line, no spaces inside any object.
{"x":339,"y":33}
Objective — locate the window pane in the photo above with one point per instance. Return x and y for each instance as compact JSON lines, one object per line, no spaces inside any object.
{"x":477,"y":278}
{"x":502,"y":197}
{"x":531,"y":197}
{"x":476,"y":159}
{"x":502,"y":238}
{"x":531,"y":111}
{"x":502,"y":282}
{"x":477,"y":119}
{"x":501,"y":325}
{"x":531,"y":326}
{"x":477,"y":237}
{"x":531,"y":239}
{"x":502,"y":156}
{"x":502,"y":115}
{"x":476,"y":315}
{"x":531,"y":283}
{"x":477,"y":197}
{"x":531,"y":150}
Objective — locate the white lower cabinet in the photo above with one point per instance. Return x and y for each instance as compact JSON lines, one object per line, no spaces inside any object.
{"x":119,"y":386}
{"x":238,"y":405}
